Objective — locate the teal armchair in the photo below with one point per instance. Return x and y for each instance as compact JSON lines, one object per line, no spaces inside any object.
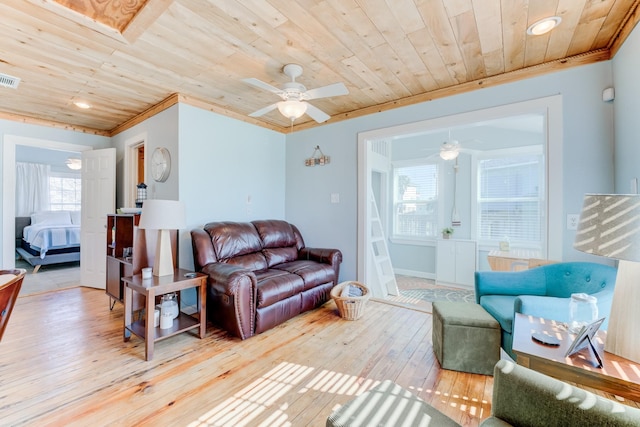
{"x":543,"y":291}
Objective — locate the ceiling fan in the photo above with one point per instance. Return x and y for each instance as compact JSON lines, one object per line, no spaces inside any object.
{"x":294,"y":96}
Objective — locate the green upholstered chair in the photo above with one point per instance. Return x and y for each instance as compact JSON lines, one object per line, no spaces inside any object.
{"x":521,"y":397}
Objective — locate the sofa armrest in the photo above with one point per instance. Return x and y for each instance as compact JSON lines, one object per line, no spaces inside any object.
{"x":231,"y":296}
{"x":202,"y":247}
{"x":558,"y":308}
{"x":326,"y":256}
{"x":333,"y":257}
{"x":541,"y":306}
{"x":527,"y":282}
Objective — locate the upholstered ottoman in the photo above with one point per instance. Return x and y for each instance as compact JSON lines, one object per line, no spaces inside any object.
{"x":388,"y":405}
{"x":465,"y":337}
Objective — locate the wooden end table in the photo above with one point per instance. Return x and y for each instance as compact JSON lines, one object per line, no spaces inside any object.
{"x":618,"y":375}
{"x":150,"y":288}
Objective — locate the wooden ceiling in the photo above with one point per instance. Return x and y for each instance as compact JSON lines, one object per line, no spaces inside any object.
{"x":129,"y":59}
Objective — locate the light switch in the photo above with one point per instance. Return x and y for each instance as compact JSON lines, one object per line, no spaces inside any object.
{"x":335,"y":197}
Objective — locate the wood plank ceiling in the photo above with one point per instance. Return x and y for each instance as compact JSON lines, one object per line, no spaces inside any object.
{"x":126,"y":58}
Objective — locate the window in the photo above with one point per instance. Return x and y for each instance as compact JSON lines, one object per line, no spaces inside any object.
{"x":415,"y":200}
{"x":511,"y":198}
{"x":65,"y":192}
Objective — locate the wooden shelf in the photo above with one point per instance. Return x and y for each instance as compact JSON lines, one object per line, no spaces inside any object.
{"x":182,"y":323}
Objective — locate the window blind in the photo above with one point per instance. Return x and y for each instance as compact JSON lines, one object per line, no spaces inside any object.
{"x":511,"y":199}
{"x":415,"y":198}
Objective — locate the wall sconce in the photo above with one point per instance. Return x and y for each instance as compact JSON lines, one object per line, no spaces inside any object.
{"x":317,"y":158}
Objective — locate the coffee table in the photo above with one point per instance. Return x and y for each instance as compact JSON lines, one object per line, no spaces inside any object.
{"x":618,"y":375}
{"x":155,"y":286}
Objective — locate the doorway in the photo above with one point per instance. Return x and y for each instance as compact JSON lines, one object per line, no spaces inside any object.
{"x":11,"y":142}
{"x":134,"y":169}
{"x":422,"y":141}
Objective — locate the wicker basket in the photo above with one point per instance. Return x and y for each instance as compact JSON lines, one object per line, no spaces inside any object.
{"x":350,"y":307}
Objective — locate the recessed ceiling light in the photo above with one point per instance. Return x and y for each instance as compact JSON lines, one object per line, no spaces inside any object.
{"x":544,"y":25}
{"x":81,"y":104}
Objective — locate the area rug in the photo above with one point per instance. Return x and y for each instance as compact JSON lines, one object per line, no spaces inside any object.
{"x":440,"y":294}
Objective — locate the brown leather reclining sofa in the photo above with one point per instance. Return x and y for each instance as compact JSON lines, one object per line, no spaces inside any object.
{"x":261,"y":274}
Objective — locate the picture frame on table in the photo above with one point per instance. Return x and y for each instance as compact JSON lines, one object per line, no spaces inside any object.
{"x":584,"y":338}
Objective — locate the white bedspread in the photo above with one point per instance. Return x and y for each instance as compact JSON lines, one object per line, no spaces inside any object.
{"x":45,"y":237}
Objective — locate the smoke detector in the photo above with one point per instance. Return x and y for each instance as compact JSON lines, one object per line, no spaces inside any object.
{"x":9,"y":81}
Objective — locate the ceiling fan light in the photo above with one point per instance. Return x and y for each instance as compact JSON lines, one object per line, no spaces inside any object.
{"x":449,"y":150}
{"x":544,"y":25}
{"x":292,"y":109}
{"x":74,"y":164}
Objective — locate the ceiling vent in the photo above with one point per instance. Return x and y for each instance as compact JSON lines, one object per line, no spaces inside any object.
{"x":9,"y":81}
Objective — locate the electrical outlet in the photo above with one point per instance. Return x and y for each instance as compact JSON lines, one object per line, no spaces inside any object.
{"x":572,"y":221}
{"x":335,"y":197}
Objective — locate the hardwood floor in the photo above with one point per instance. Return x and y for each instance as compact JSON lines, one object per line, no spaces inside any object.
{"x":63,"y":362}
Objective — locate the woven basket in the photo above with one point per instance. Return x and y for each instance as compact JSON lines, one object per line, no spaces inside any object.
{"x":350,"y":308}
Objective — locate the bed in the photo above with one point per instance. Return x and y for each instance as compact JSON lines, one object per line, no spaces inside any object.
{"x":46,"y":238}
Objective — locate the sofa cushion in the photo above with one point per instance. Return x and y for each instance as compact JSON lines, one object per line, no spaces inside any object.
{"x":232,"y":239}
{"x":501,"y":308}
{"x":275,"y":256}
{"x":311,"y":272}
{"x":254,"y":262}
{"x":275,"y":233}
{"x":276,"y":285}
{"x":278,"y":241}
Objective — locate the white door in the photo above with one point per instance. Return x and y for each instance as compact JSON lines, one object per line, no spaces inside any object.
{"x":98,"y":200}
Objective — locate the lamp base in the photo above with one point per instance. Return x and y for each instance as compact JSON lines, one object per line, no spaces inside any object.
{"x":163,"y":263}
{"x":622,"y":336}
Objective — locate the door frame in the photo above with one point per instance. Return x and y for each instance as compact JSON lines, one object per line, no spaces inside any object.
{"x":131,"y":146}
{"x":9,"y":186}
{"x":550,"y":106}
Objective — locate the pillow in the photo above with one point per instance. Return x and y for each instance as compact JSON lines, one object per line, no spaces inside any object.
{"x":51,"y":218}
{"x":75,"y":217}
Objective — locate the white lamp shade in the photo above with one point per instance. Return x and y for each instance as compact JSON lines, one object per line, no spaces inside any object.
{"x":162,"y":215}
{"x":292,"y":109}
{"x":610,"y":226}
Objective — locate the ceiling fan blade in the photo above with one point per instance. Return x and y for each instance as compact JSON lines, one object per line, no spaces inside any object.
{"x":262,"y":85}
{"x":335,"y":89}
{"x":317,"y":114}
{"x":264,"y":110}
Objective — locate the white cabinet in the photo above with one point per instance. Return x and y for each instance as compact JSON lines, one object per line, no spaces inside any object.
{"x":455,"y":262}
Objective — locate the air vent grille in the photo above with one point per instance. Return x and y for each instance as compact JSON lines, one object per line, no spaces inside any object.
{"x":9,"y":81}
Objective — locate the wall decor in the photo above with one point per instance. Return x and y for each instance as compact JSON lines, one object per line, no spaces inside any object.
{"x":317,"y":158}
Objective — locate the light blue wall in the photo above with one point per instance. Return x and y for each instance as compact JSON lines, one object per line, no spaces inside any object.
{"x":587,"y":155}
{"x":229,"y":171}
{"x":627,"y":112}
{"x":160,"y":130}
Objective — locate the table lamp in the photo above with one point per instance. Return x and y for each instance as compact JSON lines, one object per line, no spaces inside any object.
{"x":164,"y":216}
{"x":610,"y":226}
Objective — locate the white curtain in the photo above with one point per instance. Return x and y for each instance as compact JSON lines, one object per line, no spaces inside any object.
{"x":32,"y":188}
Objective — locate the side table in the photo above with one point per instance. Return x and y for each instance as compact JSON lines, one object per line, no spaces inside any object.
{"x":618,"y":376}
{"x":149,"y":289}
